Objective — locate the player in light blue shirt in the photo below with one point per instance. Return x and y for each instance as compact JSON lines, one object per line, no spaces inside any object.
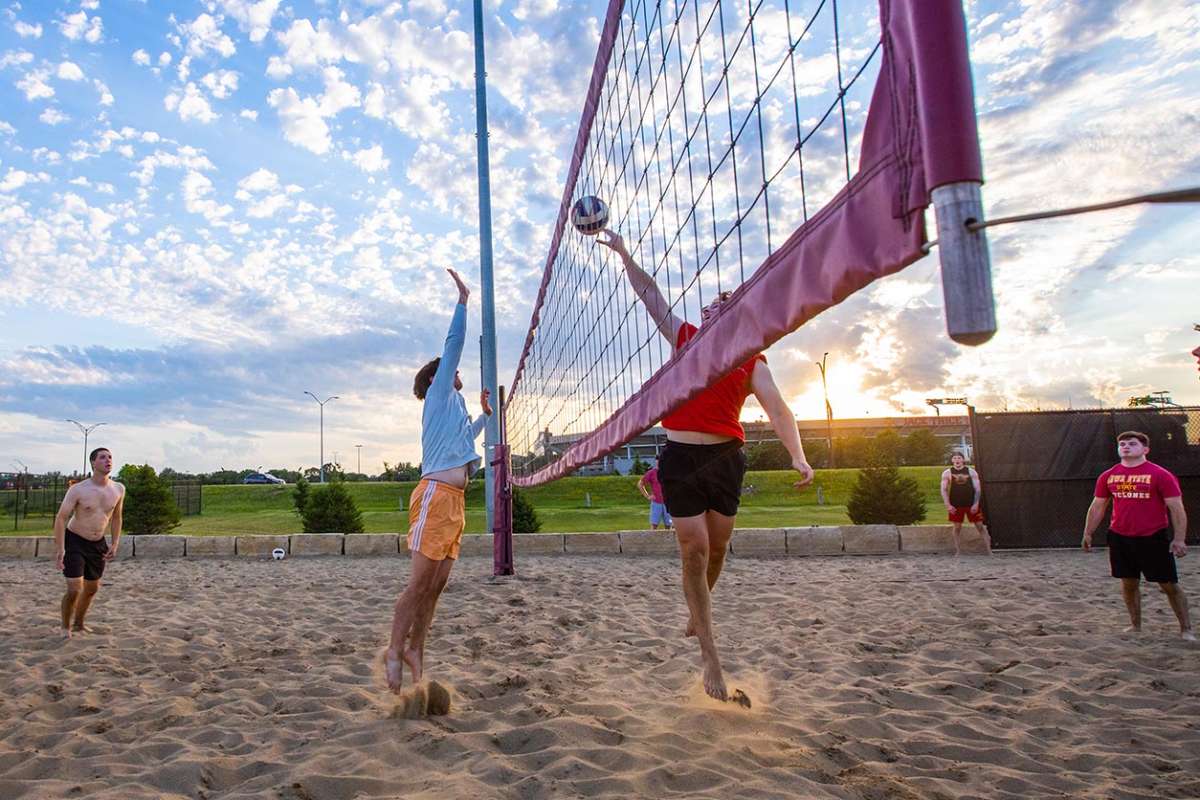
{"x":437,"y":509}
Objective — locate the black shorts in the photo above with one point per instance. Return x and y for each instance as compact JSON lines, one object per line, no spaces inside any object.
{"x":701,"y":477}
{"x":83,"y":558}
{"x":1133,"y":556}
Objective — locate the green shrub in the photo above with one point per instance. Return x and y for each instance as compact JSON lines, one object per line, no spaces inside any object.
{"x":881,"y":495}
{"x":525,"y":518}
{"x":150,"y":506}
{"x":329,"y":509}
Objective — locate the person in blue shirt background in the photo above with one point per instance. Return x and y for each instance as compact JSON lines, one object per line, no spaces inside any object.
{"x":437,"y":508}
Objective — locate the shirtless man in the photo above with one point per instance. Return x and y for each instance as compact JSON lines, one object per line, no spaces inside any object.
{"x":87,"y":509}
{"x":702,"y":467}
{"x":437,"y":508}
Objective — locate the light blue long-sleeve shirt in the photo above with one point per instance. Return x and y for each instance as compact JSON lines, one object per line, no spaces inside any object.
{"x":447,"y":432}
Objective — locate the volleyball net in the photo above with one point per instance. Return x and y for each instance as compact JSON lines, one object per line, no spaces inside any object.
{"x":782,"y":150}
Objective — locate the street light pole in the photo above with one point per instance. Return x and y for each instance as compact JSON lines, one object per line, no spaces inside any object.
{"x":359,"y":448}
{"x":322,"y":403}
{"x":85,"y":430}
{"x":828,"y":408}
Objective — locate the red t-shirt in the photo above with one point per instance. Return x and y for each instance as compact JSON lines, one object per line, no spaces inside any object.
{"x":718,"y":408}
{"x":1138,"y":494}
{"x":651,"y":479}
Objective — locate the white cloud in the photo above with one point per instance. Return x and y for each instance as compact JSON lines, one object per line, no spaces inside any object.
{"x":80,"y":26}
{"x":17,"y":178}
{"x":191,"y":105}
{"x":255,"y":18}
{"x":6,"y":129}
{"x":301,"y":120}
{"x":221,"y":83}
{"x":141,"y":58}
{"x":106,"y":98}
{"x":34,"y":85}
{"x":69,"y":71}
{"x":370,"y":159}
{"x":261,"y":180}
{"x":248,"y":113}
{"x":27,"y":31}
{"x":196,"y":193}
{"x":164,"y":59}
{"x":204,"y":35}
{"x":52,"y":116}
{"x":15,"y":57}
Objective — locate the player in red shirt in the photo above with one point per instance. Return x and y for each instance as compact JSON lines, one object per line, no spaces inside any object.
{"x":1142,"y":494}
{"x":702,"y":466}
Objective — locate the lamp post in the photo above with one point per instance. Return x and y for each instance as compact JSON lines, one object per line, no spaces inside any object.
{"x":322,"y":403}
{"x":828,"y":408}
{"x":359,"y":448}
{"x":85,"y":430}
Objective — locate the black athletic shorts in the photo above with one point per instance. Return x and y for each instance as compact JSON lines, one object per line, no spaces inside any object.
{"x":83,"y":558}
{"x":1149,"y":556}
{"x":701,"y":477}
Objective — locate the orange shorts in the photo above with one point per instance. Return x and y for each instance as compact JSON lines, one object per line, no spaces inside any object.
{"x":436,"y":519}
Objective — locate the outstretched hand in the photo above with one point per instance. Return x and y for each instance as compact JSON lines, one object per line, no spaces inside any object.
{"x":484,"y":397}
{"x":806,"y":473}
{"x":463,"y":291}
{"x":613,"y":241}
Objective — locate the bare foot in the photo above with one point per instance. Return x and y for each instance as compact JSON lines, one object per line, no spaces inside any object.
{"x":81,"y":628}
{"x":66,"y":633}
{"x":394,"y":667}
{"x":1132,"y":629}
{"x":415,"y":660}
{"x":714,"y":682}
{"x":1187,"y":635}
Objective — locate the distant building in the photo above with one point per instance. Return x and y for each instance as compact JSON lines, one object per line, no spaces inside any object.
{"x":955,"y":431}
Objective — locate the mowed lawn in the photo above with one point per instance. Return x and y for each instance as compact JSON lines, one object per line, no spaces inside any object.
{"x":563,"y":506}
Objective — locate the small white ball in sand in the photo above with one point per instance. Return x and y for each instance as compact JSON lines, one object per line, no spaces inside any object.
{"x":278,"y":553}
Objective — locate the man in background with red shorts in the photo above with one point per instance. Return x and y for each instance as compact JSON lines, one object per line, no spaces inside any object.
{"x":962,"y":493}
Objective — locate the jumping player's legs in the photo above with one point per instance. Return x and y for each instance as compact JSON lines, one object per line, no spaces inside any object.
{"x":694,"y":553}
{"x":414,"y":654}
{"x":421,"y":583}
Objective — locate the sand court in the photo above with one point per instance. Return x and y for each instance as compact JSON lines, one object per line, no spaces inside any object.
{"x":871,"y":677}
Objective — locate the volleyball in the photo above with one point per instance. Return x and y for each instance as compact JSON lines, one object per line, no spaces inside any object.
{"x":589,"y":215}
{"x":278,"y":553}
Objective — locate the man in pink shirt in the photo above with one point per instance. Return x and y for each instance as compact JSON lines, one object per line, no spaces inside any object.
{"x":1139,"y":544}
{"x":652,"y":490}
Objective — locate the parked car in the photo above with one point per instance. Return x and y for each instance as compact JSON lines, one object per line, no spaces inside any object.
{"x":263,"y":477}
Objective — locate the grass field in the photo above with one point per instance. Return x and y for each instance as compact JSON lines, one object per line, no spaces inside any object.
{"x":561,"y":506}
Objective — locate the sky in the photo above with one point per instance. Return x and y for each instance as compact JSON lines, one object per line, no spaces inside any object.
{"x":209,"y":208}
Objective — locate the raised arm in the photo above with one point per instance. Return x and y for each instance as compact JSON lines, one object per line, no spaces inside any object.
{"x":60,"y":523}
{"x":456,"y":337}
{"x":645,"y":287}
{"x":764,"y":388}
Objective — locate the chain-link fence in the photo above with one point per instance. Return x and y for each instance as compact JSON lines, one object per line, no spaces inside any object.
{"x":1039,"y":469}
{"x":34,"y":496}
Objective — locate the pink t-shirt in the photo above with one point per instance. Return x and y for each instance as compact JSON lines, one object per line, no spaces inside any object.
{"x":1138,"y":495}
{"x":651,"y":479}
